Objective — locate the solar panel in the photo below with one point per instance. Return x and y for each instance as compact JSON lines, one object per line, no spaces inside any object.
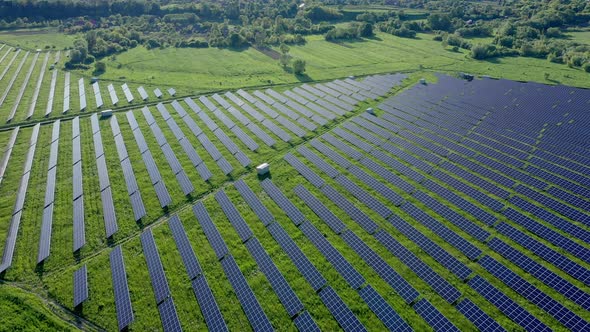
{"x":376,"y":185}
{"x":154,"y":265}
{"x":433,"y":317}
{"x":137,"y":205}
{"x":346,"y":149}
{"x":255,"y":204}
{"x":45,"y":238}
{"x":441,"y":230}
{"x":211,"y":149}
{"x":142,"y":93}
{"x":120,"y":288}
{"x":320,"y":209}
{"x":319,"y":162}
{"x":78,"y":217}
{"x":305,"y":267}
{"x":383,"y":310}
{"x":304,"y":322}
{"x":283,"y":290}
{"x":305,"y":171}
{"x":283,"y":202}
{"x":193,"y":268}
{"x":340,"y":264}
{"x":209,"y":308}
{"x":276,"y":130}
{"x":261,"y":134}
{"x":439,"y":284}
{"x":204,"y":172}
{"x":113,"y":94}
{"x":248,"y":301}
{"x":452,"y":216}
{"x":542,"y":273}
{"x":343,"y":315}
{"x":533,"y":294}
{"x":162,"y":194}
{"x":364,"y":197}
{"x":169,"y":317}
{"x":478,"y":317}
{"x":191,"y":153}
{"x":233,"y":216}
{"x":108,"y":210}
{"x":50,"y":188}
{"x":226,"y":141}
{"x":158,"y":93}
{"x":384,"y":270}
{"x":353,"y":212}
{"x":225,"y":166}
{"x":221,"y":101}
{"x":245,"y":138}
{"x":80,"y":286}
{"x":330,"y":153}
{"x":263,"y":107}
{"x":430,"y":247}
{"x":210,"y":230}
{"x":127,"y":93}
{"x":548,"y":234}
{"x":97,"y":95}
{"x":291,"y":126}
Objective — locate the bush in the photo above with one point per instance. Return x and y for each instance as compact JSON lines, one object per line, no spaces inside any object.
{"x":479,"y":52}
{"x":100,"y":67}
{"x":586,"y":67}
{"x":298,"y":66}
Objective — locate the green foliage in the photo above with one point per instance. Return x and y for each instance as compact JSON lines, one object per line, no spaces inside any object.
{"x":366,"y":30}
{"x":322,"y":13}
{"x":586,"y":67}
{"x":298,"y":66}
{"x":480,"y":51}
{"x":438,"y":21}
{"x":100,"y":67}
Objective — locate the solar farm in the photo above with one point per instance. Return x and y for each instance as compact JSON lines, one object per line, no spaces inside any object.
{"x":390,"y":204}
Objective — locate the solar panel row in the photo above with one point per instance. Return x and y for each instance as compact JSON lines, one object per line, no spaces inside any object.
{"x":121,"y":289}
{"x":110,"y":219}
{"x":47,"y":222}
{"x":19,"y":204}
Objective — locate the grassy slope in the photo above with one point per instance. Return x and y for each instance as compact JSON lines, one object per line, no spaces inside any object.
{"x":21,"y":309}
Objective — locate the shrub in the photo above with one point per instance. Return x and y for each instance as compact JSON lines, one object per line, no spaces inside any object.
{"x":586,"y":67}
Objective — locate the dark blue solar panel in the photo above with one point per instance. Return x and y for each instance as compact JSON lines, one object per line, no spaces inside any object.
{"x":193,"y":269}
{"x":120,"y":288}
{"x":452,"y":216}
{"x":305,"y":267}
{"x":353,"y":212}
{"x":343,"y":315}
{"x":548,"y":234}
{"x":255,"y":204}
{"x":387,"y":175}
{"x":383,"y":310}
{"x":305,"y":171}
{"x":304,"y":322}
{"x":433,"y":317}
{"x":330,"y":153}
{"x":283,"y":202}
{"x":366,"y":198}
{"x":320,"y":209}
{"x":344,"y":268}
{"x":385,"y":271}
{"x":233,"y":216}
{"x":478,"y":317}
{"x":439,"y":284}
{"x":319,"y":162}
{"x":283,"y":290}
{"x":248,"y":301}
{"x":169,"y":317}
{"x":430,"y":247}
{"x":155,"y":269}
{"x":210,"y":230}
{"x":542,"y":273}
{"x":283,"y":135}
{"x":441,"y":230}
{"x":208,"y":305}
{"x":533,"y":294}
{"x":80,"y":285}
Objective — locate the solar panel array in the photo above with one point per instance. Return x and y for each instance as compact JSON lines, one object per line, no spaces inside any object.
{"x":127,"y":92}
{"x":23,"y":87}
{"x":11,"y":84}
{"x":97,"y":95}
{"x":113,"y":94}
{"x":153,"y":172}
{"x":108,"y":207}
{"x":80,"y":285}
{"x":7,"y":153}
{"x":47,"y":222}
{"x":66,"y":106}
{"x":142,"y":93}
{"x":121,"y":289}
{"x":20,"y":202}
{"x":81,"y":94}
{"x":183,"y":180}
{"x":129,"y":175}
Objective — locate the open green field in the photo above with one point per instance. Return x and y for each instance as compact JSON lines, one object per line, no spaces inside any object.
{"x":217,"y":69}
{"x":32,"y":39}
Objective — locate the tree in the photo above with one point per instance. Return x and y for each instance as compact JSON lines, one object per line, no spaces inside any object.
{"x":285,"y":60}
{"x":439,"y":21}
{"x":298,"y":66}
{"x":284,"y":48}
{"x":366,"y":30}
{"x":586,"y":67}
{"x":100,"y":67}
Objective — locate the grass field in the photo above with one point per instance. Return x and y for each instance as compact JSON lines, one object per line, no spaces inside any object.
{"x":33,"y":39}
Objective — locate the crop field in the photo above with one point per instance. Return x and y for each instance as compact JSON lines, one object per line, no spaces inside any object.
{"x":418,"y":217}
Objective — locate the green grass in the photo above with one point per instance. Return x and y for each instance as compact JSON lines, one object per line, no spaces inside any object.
{"x":580,"y":36}
{"x":22,"y":310}
{"x":33,"y":39}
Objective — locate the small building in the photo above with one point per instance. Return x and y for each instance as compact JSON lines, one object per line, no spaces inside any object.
{"x":263,"y":169}
{"x":371,"y":111}
{"x":93,"y":80}
{"x":423,"y":81}
{"x":106,"y":113}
